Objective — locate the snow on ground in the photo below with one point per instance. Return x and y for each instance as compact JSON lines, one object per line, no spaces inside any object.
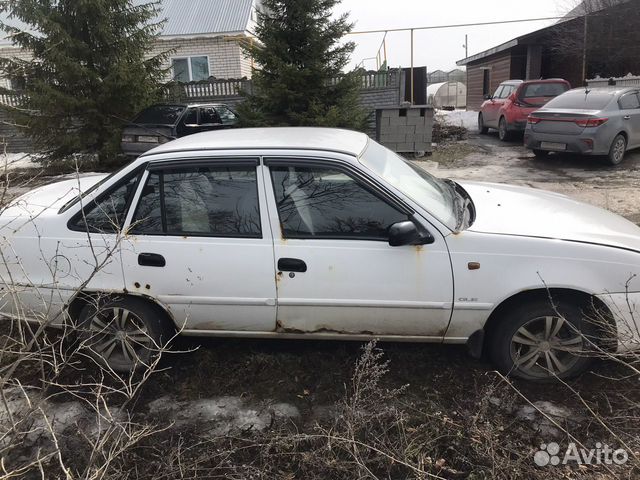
{"x":18,"y":160}
{"x":460,"y":118}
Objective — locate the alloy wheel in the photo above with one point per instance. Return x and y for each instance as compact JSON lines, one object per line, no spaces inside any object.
{"x":619,"y":148}
{"x":546,"y":347}
{"x":120,"y":338}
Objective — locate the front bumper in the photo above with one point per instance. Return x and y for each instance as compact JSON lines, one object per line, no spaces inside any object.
{"x":625,"y":308}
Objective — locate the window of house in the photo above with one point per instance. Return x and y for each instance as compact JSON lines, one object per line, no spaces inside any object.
{"x":320,"y":202}
{"x":204,"y":201}
{"x":190,"y":69}
{"x":108,"y":213}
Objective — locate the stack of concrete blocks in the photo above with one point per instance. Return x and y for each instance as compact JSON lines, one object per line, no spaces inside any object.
{"x":405,"y":129}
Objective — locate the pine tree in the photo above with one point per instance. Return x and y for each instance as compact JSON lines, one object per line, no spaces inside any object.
{"x":89,"y":70}
{"x":299,"y":78}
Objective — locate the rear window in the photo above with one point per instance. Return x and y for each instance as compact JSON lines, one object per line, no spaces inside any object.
{"x":582,"y":100}
{"x":536,"y":90}
{"x":160,"y":115}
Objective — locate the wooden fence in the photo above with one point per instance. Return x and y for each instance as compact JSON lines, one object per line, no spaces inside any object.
{"x":628,"y":81}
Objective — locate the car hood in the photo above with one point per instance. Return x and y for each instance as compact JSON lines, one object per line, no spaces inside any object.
{"x":511,"y":210}
{"x":50,"y":197}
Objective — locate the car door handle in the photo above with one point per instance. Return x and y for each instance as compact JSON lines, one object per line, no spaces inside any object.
{"x":291,"y":265}
{"x":627,"y":117}
{"x":151,"y":260}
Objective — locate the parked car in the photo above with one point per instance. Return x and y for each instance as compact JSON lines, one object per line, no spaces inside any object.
{"x":319,"y":233}
{"x":162,"y":123}
{"x":597,"y":121}
{"x":508,"y":108}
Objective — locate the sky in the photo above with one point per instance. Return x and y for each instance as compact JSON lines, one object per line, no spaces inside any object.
{"x":439,"y":49}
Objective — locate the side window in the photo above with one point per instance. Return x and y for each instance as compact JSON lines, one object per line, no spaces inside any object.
{"x":226,"y":115}
{"x":108,"y":214}
{"x":203,"y":201}
{"x":191,"y":117}
{"x":498,"y":92}
{"x":630,"y":101}
{"x":506,"y":91}
{"x":319,"y":202}
{"x":208,"y":116}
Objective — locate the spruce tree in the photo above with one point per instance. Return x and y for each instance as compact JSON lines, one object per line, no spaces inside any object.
{"x":299,"y":77}
{"x":88,"y":73}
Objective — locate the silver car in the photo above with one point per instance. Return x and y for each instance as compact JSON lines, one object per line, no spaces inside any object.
{"x":589,"y":121}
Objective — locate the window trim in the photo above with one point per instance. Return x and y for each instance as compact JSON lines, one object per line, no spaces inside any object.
{"x":190,"y":70}
{"x":369,"y":184}
{"x":138,"y":171}
{"x":163,"y":166}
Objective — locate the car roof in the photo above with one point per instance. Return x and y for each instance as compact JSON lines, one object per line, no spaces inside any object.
{"x":527,"y":82}
{"x":274,"y":138}
{"x":613,"y":90}
{"x":187,"y":105}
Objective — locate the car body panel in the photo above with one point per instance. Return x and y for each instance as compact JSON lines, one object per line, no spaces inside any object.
{"x":513,"y":107}
{"x":522,"y":239}
{"x":555,"y":129}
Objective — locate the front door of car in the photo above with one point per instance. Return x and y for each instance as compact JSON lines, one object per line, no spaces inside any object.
{"x":335,"y":269}
{"x":199,"y":242}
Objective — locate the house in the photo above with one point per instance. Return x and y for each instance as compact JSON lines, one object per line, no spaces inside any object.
{"x":203,"y":34}
{"x":562,"y":50}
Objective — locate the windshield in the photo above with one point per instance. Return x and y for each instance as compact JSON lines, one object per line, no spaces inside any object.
{"x":430,"y":192}
{"x":582,"y":99}
{"x":160,"y":115}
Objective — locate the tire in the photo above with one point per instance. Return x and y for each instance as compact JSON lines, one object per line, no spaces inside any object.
{"x":481,"y":128}
{"x":503,"y":132}
{"x":123,"y":334}
{"x":617,"y":150}
{"x":536,"y":342}
{"x":541,"y":153}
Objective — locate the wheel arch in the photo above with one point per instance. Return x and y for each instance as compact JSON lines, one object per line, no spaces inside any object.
{"x":83,"y":298}
{"x":583,"y":299}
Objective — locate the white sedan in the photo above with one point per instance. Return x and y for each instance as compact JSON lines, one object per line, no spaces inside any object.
{"x":318,"y":233}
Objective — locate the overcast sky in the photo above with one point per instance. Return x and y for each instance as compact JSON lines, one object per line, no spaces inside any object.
{"x":439,"y":49}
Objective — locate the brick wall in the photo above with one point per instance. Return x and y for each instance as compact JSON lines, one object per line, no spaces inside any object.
{"x":405,"y":130}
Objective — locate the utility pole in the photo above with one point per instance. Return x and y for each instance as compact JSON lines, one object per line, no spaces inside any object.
{"x":412,"y":87}
{"x":584,"y":48}
{"x":466,"y":46}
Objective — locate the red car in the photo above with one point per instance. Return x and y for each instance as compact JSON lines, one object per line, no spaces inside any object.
{"x":508,"y":108}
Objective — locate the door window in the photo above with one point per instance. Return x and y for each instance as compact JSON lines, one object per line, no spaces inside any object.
{"x":108,"y":213}
{"x":320,"y":202}
{"x":226,"y":115}
{"x":200,"y":201}
{"x":209,"y":116}
{"x":630,"y":101}
{"x":498,"y":92}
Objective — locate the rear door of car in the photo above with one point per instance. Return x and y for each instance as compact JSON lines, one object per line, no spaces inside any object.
{"x":199,"y":241}
{"x":630,"y":105}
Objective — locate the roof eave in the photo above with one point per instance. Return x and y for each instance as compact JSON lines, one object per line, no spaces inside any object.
{"x":187,"y":36}
{"x":487,"y":53}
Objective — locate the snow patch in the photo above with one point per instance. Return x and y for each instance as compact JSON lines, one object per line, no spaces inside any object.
{"x":459,"y":118}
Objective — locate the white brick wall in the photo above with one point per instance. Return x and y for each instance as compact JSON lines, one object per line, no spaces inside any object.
{"x":226,"y":59}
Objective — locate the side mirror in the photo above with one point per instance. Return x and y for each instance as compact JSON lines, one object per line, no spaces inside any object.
{"x":488,"y":97}
{"x":407,"y":233}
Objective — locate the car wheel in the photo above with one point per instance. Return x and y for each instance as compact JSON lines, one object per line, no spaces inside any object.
{"x":481,"y":128}
{"x":541,"y":153}
{"x":617,"y":150}
{"x":503,"y":132}
{"x":538,"y":342}
{"x":123,"y":334}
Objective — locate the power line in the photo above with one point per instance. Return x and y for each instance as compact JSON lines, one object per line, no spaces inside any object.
{"x":457,"y":25}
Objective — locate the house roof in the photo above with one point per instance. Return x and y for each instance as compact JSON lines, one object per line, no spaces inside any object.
{"x":188,"y":18}
{"x":586,"y":7}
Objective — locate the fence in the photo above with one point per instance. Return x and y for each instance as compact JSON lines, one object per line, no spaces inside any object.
{"x":628,"y":81}
{"x":12,"y":99}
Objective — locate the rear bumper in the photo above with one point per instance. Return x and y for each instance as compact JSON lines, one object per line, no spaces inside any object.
{"x":584,"y":144}
{"x":136,"y":149}
{"x":517,"y":125}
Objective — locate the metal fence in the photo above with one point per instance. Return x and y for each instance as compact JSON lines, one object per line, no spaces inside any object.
{"x":628,"y":81}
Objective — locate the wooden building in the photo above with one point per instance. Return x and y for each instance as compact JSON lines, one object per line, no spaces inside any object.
{"x":609,"y":49}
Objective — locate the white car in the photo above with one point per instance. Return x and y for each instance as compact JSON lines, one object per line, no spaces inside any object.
{"x":319,"y":233}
